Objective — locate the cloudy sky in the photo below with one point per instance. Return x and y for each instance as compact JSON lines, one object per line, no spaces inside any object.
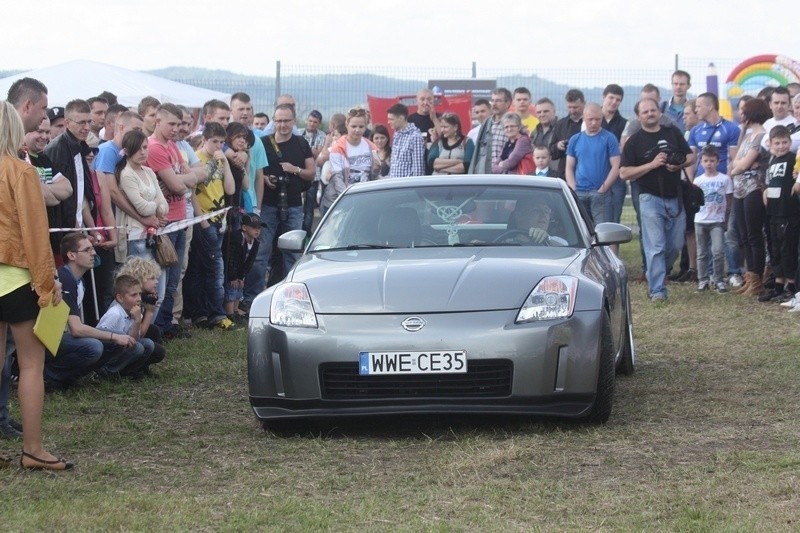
{"x":248,"y":36}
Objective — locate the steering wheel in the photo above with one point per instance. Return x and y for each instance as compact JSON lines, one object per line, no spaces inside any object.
{"x":511,"y":233}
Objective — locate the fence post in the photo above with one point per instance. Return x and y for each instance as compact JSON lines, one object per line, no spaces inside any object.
{"x":676,"y":62}
{"x":277,"y":79}
{"x":474,"y":69}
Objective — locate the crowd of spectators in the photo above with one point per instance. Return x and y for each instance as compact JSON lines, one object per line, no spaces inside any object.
{"x":163,"y":220}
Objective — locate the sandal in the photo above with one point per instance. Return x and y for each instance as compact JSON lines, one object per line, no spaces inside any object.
{"x":58,"y":464}
{"x":5,"y":460}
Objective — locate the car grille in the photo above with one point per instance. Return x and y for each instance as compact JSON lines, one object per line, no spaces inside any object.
{"x":484,"y":379}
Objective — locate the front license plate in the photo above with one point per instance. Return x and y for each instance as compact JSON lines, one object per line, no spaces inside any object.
{"x":438,"y":362}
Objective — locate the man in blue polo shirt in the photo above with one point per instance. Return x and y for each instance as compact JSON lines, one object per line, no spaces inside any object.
{"x":712,"y":129}
{"x":593,"y":164}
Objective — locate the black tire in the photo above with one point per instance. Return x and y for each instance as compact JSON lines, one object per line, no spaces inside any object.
{"x":604,"y":395}
{"x":627,"y":365}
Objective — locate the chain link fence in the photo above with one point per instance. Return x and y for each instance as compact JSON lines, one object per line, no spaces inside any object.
{"x":336,"y":88}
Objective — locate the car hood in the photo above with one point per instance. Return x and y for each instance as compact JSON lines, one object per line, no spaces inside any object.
{"x":427,"y":280}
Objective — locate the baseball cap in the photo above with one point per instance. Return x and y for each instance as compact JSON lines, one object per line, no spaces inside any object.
{"x":253,"y":220}
{"x":55,"y":113}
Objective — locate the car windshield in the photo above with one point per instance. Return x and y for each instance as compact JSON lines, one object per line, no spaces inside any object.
{"x":448,"y":216}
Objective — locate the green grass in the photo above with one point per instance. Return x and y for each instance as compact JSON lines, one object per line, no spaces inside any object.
{"x":704,"y":436}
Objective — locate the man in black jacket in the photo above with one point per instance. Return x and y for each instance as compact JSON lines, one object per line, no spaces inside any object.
{"x":565,"y":128}
{"x":68,"y":152}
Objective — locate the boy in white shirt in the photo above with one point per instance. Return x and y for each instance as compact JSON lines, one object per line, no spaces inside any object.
{"x":541,"y":158}
{"x":711,"y":221}
{"x":124,"y":317}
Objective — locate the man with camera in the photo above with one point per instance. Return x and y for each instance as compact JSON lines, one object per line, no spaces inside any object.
{"x":289,"y":173}
{"x":654,"y":157}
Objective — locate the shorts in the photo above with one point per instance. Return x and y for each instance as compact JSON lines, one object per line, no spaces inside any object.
{"x":19,"y":305}
{"x":233,"y":295}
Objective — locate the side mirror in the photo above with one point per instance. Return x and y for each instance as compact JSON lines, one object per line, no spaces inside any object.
{"x":611,"y":233}
{"x":294,"y":241}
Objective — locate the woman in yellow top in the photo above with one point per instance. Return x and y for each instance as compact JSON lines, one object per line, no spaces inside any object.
{"x":27,"y":282}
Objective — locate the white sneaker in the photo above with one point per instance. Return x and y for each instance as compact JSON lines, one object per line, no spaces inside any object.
{"x":735,"y":281}
{"x":795,"y":309}
{"x":721,"y":288}
{"x":794,"y":301}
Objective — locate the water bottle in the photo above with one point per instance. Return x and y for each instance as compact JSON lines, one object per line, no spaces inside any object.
{"x":150,"y":239}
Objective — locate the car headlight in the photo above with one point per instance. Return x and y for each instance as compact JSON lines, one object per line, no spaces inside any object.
{"x":291,"y":306}
{"x":553,"y":297}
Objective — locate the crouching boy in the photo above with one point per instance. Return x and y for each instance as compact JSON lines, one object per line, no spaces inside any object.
{"x":124,"y":317}
{"x":240,"y":250}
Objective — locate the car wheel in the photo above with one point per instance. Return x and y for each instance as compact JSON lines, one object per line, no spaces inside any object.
{"x":604,"y":396}
{"x":627,"y":363}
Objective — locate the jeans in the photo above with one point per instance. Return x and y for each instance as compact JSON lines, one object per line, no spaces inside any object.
{"x":618,"y":191}
{"x":76,"y":358}
{"x":173,"y":277}
{"x":309,"y":205}
{"x":635,"y":202}
{"x":597,"y":204}
{"x":256,"y":279}
{"x":663,"y":227}
{"x":749,"y":216}
{"x":203,"y":293}
{"x":783,"y":252}
{"x":710,"y":237}
{"x":733,"y":244}
{"x":117,"y":360}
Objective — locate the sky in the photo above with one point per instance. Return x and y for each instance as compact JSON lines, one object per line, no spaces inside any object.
{"x":253,"y":34}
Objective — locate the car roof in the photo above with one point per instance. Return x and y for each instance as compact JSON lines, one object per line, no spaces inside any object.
{"x":459,"y":180}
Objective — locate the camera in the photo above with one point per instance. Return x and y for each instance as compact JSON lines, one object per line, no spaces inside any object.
{"x":149,"y":298}
{"x":675,"y":159}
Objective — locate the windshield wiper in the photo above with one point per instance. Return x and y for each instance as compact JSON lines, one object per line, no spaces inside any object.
{"x":354,"y":247}
{"x":477,"y":244}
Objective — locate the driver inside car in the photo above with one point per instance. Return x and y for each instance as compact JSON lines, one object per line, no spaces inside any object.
{"x":531,"y":218}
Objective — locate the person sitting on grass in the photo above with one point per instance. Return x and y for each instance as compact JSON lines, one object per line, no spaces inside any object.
{"x":147,"y":272}
{"x":83,"y":348}
{"x":240,"y":250}
{"x":124,"y":317}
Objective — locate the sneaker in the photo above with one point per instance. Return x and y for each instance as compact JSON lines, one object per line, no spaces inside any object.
{"x":8,"y":432}
{"x":676,"y":276}
{"x":224,"y":324}
{"x":735,"y":281}
{"x":795,"y":309}
{"x":770,"y":294}
{"x":238,"y":319}
{"x":688,"y":276}
{"x":783,"y":296}
{"x":658,"y":298}
{"x":702,"y":285}
{"x":794,"y":301}
{"x":721,"y":288}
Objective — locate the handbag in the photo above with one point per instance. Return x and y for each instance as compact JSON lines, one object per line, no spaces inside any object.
{"x":165,"y":252}
{"x":526,"y":165}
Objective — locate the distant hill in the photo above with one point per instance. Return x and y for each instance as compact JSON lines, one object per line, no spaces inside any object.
{"x":331,"y":93}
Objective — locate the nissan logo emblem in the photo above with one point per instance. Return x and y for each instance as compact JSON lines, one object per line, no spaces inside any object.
{"x":413,"y":323}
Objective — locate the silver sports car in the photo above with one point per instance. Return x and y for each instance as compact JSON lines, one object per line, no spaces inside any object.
{"x":473,"y":294}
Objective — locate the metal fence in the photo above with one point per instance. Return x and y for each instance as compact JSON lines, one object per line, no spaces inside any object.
{"x":336,"y":88}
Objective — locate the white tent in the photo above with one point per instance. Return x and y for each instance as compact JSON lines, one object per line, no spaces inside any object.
{"x":84,"y":79}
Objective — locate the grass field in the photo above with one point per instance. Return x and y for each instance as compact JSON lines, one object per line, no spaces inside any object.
{"x":704,"y":436}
